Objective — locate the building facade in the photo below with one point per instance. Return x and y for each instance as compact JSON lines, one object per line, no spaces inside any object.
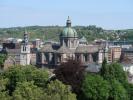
{"x":70,"y":47}
{"x":25,"y":56}
{"x":114,"y":53}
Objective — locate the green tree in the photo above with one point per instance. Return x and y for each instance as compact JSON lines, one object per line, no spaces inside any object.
{"x":118,"y":81}
{"x":40,"y":77}
{"x":3,"y":83}
{"x":2,"y":60}
{"x":4,"y":96}
{"x":28,"y":91}
{"x":56,"y":90}
{"x":117,"y":91}
{"x":130,"y":91}
{"x":3,"y":92}
{"x":25,"y":73}
{"x":95,"y":87}
{"x":114,"y":71}
{"x":104,"y":67}
{"x":30,"y":83}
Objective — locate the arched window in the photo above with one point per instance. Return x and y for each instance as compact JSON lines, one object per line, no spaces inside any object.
{"x":78,"y":57}
{"x":85,"y":58}
{"x":72,"y":43}
{"x":25,"y":48}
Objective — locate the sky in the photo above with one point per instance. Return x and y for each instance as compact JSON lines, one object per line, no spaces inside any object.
{"x":108,"y":14}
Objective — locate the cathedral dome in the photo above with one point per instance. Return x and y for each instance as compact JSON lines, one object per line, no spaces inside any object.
{"x":68,"y":30}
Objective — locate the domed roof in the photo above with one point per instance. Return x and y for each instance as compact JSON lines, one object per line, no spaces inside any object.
{"x":83,"y":40}
{"x":68,"y":31}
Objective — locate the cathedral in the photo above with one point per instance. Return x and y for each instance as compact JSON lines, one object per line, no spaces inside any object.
{"x":52,"y":54}
{"x":70,"y":47}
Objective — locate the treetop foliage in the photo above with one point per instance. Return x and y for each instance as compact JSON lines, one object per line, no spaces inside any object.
{"x":31,"y":83}
{"x":95,"y":87}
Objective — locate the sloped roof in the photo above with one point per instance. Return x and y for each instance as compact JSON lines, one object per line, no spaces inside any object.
{"x":93,"y":68}
{"x":47,"y":48}
{"x":63,"y":49}
{"x":13,"y":51}
{"x":86,"y":49}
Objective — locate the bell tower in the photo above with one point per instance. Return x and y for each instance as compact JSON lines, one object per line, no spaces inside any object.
{"x":25,"y":50}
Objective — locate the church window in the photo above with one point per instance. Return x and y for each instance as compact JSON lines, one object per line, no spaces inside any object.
{"x":85,"y":57}
{"x":78,"y":57}
{"x":25,"y":49}
{"x":71,"y":43}
{"x":47,"y":57}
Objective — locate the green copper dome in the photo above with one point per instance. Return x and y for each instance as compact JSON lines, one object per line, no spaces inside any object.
{"x":68,"y":30}
{"x":83,"y":39}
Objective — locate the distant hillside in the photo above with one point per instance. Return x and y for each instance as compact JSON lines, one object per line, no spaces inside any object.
{"x":128,"y":34}
{"x":52,"y":32}
{"x":48,"y":32}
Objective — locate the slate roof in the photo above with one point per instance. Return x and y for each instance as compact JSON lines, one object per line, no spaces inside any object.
{"x":47,"y":48}
{"x":93,"y":68}
{"x":86,"y":49}
{"x":63,"y":49}
{"x":127,"y":50}
{"x":13,"y":51}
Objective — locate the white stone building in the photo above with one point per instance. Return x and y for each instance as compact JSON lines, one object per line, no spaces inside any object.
{"x":25,"y":56}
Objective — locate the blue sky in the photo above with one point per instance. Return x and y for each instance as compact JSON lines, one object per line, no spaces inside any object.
{"x":109,"y":14}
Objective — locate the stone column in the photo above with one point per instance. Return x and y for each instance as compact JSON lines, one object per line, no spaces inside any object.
{"x":55,"y":58}
{"x":69,"y":43}
{"x":73,"y":56}
{"x":87,"y":57}
{"x":90,"y":58}
{"x":42,"y":58}
{"x":81,"y":58}
{"x":50,"y":57}
{"x":61,"y":58}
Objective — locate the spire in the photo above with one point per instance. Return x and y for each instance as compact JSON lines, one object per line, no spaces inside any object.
{"x":68,"y":23}
{"x":25,"y":37}
{"x":68,"y":18}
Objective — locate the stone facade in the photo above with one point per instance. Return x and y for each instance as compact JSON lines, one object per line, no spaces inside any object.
{"x":70,"y":47}
{"x":10,"y":61}
{"x":25,"y":56}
